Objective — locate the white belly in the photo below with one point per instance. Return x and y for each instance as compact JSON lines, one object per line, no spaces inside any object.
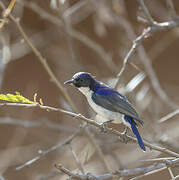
{"x":103,"y":114}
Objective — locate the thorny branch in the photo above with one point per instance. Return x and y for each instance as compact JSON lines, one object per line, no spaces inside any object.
{"x":120,"y":173}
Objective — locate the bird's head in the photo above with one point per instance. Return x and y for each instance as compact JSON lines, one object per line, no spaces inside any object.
{"x":81,"y":79}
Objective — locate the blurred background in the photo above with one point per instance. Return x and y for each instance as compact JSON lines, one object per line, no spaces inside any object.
{"x":93,"y":36}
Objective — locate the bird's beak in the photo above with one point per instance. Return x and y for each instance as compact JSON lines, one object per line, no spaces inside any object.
{"x":69,"y":81}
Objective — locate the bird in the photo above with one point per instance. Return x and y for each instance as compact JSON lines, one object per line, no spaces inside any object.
{"x":109,"y":104}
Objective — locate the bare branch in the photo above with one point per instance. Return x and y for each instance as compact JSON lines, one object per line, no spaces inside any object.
{"x":57,"y":83}
{"x":136,"y":43}
{"x":176,"y":177}
{"x":82,"y":176}
{"x":107,"y":60}
{"x":156,"y":27}
{"x":92,"y":122}
{"x":53,"y":148}
{"x":171,"y":8}
{"x":146,"y":33}
{"x":146,"y":11}
{"x":171,"y":173}
{"x":120,"y":173}
{"x":42,"y":60}
{"x":30,"y":124}
{"x":78,"y":163}
{"x":6,"y":13}
{"x":168,"y":116}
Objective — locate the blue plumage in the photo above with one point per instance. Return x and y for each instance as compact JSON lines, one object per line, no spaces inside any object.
{"x":112,"y":100}
{"x":135,"y":131}
{"x":108,"y":103}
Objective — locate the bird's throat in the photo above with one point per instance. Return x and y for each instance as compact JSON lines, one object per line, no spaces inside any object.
{"x":85,"y":90}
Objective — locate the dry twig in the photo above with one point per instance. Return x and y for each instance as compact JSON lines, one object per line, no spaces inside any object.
{"x":6,"y":13}
{"x":53,"y":148}
{"x":120,"y":173}
{"x":57,"y":83}
{"x":92,"y":122}
{"x":154,"y":27}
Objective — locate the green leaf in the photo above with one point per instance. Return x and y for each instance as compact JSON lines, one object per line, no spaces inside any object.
{"x":17,"y":98}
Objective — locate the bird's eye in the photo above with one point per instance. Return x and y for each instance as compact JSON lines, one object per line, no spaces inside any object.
{"x":76,"y":80}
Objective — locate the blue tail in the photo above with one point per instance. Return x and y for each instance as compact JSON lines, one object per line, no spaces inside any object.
{"x":135,"y":131}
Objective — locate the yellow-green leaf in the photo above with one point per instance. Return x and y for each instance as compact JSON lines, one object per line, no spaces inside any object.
{"x":16,"y":98}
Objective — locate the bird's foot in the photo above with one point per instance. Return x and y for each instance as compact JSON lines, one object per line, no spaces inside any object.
{"x":104,"y":126}
{"x":125,"y":130}
{"x":124,"y":135}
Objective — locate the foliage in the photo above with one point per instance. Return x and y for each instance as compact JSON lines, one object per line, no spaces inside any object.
{"x":17,"y":98}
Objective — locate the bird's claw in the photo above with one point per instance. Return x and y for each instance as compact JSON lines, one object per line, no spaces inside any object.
{"x":124,"y":135}
{"x":124,"y":138}
{"x":104,"y":126}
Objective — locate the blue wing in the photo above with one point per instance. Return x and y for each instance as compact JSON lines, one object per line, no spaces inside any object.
{"x":110,"y":99}
{"x":135,"y":131}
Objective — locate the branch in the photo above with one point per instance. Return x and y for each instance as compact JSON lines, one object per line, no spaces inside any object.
{"x":6,"y":13}
{"x":53,"y":148}
{"x":146,"y":11}
{"x":155,"y":27}
{"x":77,"y":161}
{"x":168,"y":116}
{"x":171,"y":8}
{"x":92,"y":122}
{"x":120,"y":173}
{"x":83,"y":176}
{"x":42,"y":60}
{"x":107,"y":60}
{"x":57,"y":83}
{"x":136,"y":43}
{"x":30,"y":124}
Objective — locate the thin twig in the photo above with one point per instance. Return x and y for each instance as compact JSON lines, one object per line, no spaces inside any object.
{"x":146,"y":11}
{"x":157,"y":27}
{"x":42,"y":60}
{"x":58,"y":84}
{"x":168,"y":116}
{"x":142,"y":54}
{"x":92,"y":122}
{"x":120,"y":173}
{"x":171,"y":173}
{"x":53,"y":148}
{"x":157,"y":159}
{"x":107,"y":60}
{"x":6,"y":13}
{"x":171,"y":8}
{"x":30,"y":124}
{"x":149,"y":173}
{"x":78,"y":163}
{"x":176,"y":177}
{"x":136,"y":43}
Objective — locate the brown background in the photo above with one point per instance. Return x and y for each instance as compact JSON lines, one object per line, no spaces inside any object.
{"x":66,"y":55}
